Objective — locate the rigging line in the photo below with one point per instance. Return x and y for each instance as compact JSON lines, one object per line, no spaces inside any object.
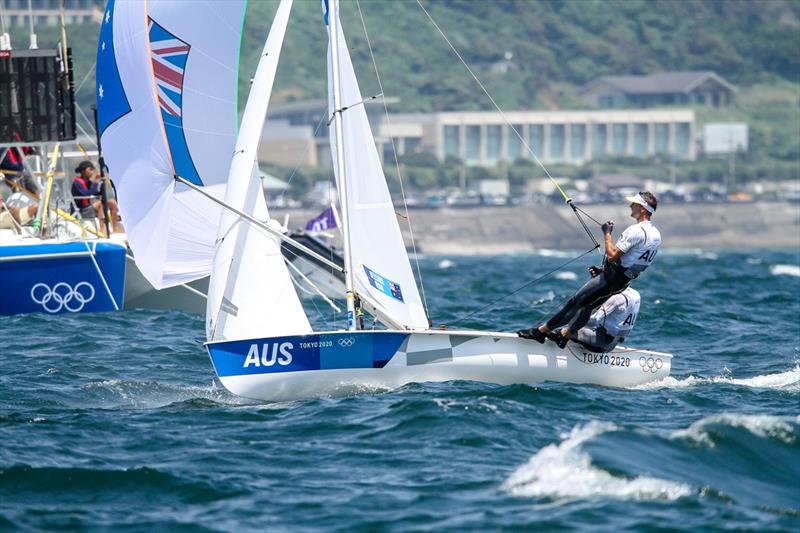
{"x":308,"y":149}
{"x":78,"y":124}
{"x":257,"y":223}
{"x":522,"y":140}
{"x":321,"y":314}
{"x":345,"y":108}
{"x":86,"y":77}
{"x":93,"y":136}
{"x":589,"y":216}
{"x":531,"y":282}
{"x":316,"y":289}
{"x":397,"y":165}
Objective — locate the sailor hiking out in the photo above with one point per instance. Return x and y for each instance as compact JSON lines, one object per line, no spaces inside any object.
{"x":610,"y":323}
{"x":625,"y":260}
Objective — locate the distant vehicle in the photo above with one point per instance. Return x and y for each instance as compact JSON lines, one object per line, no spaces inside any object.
{"x":463,"y":200}
{"x":489,"y":199}
{"x":434,"y":201}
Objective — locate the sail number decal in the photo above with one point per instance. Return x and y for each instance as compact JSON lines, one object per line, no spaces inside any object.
{"x":386,"y":286}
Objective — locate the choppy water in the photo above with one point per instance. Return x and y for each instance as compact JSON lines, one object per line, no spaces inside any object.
{"x":116,"y":421}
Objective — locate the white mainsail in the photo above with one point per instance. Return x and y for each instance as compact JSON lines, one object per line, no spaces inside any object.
{"x":251,"y":293}
{"x":167,"y":103}
{"x":382,"y":274}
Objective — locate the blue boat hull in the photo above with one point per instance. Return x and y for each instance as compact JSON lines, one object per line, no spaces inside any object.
{"x":56,"y":278}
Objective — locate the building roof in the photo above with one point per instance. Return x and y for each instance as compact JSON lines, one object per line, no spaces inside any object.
{"x":617,"y":181}
{"x":662,"y":82}
{"x":271,"y":183}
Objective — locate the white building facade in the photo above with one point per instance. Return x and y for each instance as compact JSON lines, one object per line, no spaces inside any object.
{"x":569,"y":137}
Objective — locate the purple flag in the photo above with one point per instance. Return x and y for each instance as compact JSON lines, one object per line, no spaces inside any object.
{"x":324,"y":221}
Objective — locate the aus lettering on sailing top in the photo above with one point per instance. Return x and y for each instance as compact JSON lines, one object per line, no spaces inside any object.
{"x":639,"y":245}
{"x":617,"y":314}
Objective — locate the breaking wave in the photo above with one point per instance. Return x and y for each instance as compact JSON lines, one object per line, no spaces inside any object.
{"x":565,"y":471}
{"x":765,"y":426}
{"x":785,"y":270}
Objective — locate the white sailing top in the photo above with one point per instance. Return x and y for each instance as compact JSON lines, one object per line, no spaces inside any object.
{"x":639,"y":245}
{"x":618,"y":314}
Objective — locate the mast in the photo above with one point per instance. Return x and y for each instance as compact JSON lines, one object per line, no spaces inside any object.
{"x":333,"y":31}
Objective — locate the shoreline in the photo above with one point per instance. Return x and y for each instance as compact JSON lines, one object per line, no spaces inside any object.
{"x":531,"y":228}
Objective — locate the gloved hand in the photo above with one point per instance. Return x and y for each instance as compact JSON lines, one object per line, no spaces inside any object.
{"x":608,"y":227}
{"x":595,"y":271}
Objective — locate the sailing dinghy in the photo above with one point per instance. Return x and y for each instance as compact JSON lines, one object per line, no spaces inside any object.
{"x":259,"y":338}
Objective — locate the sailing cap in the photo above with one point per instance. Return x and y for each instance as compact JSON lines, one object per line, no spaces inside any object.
{"x":642,"y":202}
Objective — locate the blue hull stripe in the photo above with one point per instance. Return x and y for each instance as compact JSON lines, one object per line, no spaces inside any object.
{"x":305,"y":352}
{"x":47,"y":281}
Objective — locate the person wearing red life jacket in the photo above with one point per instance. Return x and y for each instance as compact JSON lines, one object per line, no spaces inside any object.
{"x":86,"y":192}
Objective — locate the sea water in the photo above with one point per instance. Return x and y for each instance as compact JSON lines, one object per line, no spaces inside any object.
{"x":115,"y":421}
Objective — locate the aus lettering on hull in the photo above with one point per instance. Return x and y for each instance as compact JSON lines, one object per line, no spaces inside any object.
{"x":269,"y":354}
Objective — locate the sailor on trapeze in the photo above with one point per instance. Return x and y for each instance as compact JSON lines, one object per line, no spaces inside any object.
{"x":624,"y":261}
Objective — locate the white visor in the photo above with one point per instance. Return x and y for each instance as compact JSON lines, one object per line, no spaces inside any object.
{"x":642,"y":202}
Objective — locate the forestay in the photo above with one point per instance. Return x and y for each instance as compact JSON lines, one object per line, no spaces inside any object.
{"x":382,"y":274}
{"x":166,"y":94}
{"x":251,"y":292}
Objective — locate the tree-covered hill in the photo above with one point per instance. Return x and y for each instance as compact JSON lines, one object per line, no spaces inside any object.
{"x":554,"y":46}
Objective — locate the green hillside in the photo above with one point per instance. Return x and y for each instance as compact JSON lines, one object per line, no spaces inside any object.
{"x":555,"y":45}
{"x":554,"y":48}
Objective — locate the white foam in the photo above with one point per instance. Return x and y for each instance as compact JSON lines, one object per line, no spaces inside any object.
{"x":154,"y":395}
{"x":544,"y":252}
{"x":569,"y":276}
{"x":766,"y":426}
{"x":785,"y":381}
{"x":564,"y":471}
{"x":481,"y":405}
{"x":789,"y":380}
{"x":549,"y":297}
{"x":446,"y":263}
{"x":785,"y":270}
{"x":670,"y":382}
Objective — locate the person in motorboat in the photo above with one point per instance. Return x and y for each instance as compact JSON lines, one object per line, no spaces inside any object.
{"x":86,"y":192}
{"x":625,"y":260}
{"x":610,"y":323}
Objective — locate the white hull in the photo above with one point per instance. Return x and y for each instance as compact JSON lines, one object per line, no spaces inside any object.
{"x":500,"y":358}
{"x":323,"y":280}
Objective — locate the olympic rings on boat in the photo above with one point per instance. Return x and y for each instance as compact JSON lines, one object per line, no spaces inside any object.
{"x":63,"y":296}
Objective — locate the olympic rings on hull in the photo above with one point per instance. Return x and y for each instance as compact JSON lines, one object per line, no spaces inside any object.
{"x":63,"y":296}
{"x":650,"y":364}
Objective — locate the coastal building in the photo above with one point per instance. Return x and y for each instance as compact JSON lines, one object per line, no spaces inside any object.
{"x":299,"y":135}
{"x":48,"y":12}
{"x":570,"y":137}
{"x":661,"y":89}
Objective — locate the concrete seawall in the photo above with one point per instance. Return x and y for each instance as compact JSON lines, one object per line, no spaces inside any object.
{"x":525,"y":228}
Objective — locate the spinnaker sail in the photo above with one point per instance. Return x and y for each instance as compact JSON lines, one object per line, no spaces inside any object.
{"x":167,"y":74}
